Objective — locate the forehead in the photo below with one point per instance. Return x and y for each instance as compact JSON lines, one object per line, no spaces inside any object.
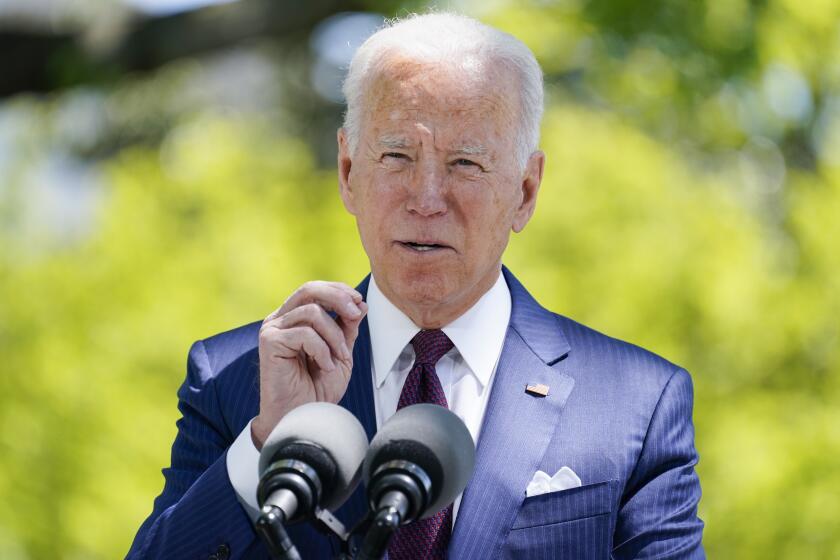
{"x":445,"y":97}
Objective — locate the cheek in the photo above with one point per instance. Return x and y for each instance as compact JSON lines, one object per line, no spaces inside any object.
{"x":379,"y":208}
{"x":385,"y":184}
{"x":488,"y":215}
{"x":494,"y":203}
{"x":488,"y":219}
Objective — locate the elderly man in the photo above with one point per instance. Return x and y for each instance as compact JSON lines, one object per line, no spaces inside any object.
{"x":438,"y":162}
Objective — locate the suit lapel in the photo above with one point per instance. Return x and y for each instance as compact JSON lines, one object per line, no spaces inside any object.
{"x":359,"y":396}
{"x":517,"y":427}
{"x":358,"y":399}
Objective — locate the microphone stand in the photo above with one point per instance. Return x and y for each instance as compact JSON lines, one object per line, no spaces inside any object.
{"x":393,"y":509}
{"x":327,"y":523}
{"x":270,"y":527}
{"x":289,"y":486}
{"x":399,"y":491}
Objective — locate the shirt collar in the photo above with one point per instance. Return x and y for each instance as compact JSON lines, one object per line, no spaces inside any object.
{"x":478,"y":334}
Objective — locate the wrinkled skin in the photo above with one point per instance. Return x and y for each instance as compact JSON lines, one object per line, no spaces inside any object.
{"x":436,"y":164}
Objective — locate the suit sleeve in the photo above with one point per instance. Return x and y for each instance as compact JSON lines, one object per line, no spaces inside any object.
{"x":657,"y":517}
{"x":198,"y":514}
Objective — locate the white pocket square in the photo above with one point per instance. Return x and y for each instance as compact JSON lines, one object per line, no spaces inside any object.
{"x":563,"y":479}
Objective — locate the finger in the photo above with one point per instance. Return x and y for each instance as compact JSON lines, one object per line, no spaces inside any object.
{"x":311,"y":290}
{"x":357,"y":297}
{"x":313,"y":315}
{"x":288,"y":343}
{"x":350,"y":328}
{"x":327,"y":296}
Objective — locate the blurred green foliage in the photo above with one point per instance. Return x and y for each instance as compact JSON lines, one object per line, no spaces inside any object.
{"x":687,"y":207}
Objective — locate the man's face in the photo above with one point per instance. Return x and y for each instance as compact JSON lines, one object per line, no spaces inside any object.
{"x":435,"y":185}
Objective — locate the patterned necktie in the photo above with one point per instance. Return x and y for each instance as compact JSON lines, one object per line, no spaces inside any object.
{"x":426,"y":539}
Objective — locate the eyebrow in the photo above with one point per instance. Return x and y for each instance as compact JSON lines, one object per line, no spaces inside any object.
{"x":394,"y":142}
{"x":401,"y":143}
{"x":477,"y":150}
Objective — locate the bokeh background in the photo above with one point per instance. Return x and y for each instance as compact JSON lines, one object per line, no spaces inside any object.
{"x":167,"y":172}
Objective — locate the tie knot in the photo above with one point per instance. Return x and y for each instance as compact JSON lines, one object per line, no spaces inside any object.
{"x":430,"y":346}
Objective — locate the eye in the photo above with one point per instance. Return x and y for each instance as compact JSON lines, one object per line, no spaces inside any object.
{"x":467,"y":164}
{"x":394,"y":155}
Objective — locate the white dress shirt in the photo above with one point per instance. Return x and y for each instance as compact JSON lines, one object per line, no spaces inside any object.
{"x":466,"y":372}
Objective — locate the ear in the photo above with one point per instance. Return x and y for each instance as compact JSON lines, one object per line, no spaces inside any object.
{"x":531,"y":180}
{"x":344,"y":165}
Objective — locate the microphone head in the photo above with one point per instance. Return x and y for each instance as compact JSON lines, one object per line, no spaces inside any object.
{"x":434,"y":439}
{"x":329,"y":439}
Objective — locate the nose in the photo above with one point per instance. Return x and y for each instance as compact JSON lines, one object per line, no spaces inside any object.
{"x":427,"y":189}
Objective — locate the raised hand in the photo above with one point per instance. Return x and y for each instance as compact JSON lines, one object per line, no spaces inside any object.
{"x":305,"y":354}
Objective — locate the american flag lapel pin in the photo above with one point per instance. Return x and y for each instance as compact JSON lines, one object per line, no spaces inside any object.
{"x":538,"y":390}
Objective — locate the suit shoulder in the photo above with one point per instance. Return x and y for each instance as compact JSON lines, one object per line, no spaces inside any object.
{"x":617,"y":358}
{"x":229,"y":361}
{"x":227,"y":348}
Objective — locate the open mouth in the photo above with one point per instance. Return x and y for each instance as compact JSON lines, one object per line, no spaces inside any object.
{"x":423,"y":247}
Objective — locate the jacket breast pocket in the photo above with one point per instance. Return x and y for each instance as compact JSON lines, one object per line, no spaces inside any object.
{"x":574,"y":523}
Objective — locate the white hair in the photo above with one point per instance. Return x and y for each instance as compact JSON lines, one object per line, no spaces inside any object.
{"x":453,"y":40}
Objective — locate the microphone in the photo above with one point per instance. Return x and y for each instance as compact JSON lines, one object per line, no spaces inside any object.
{"x":417,"y":464}
{"x":310,"y":462}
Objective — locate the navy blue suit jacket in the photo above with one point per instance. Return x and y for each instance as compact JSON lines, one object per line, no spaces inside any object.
{"x":617,"y":415}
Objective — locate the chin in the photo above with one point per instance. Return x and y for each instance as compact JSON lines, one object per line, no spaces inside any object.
{"x":421,"y":287}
